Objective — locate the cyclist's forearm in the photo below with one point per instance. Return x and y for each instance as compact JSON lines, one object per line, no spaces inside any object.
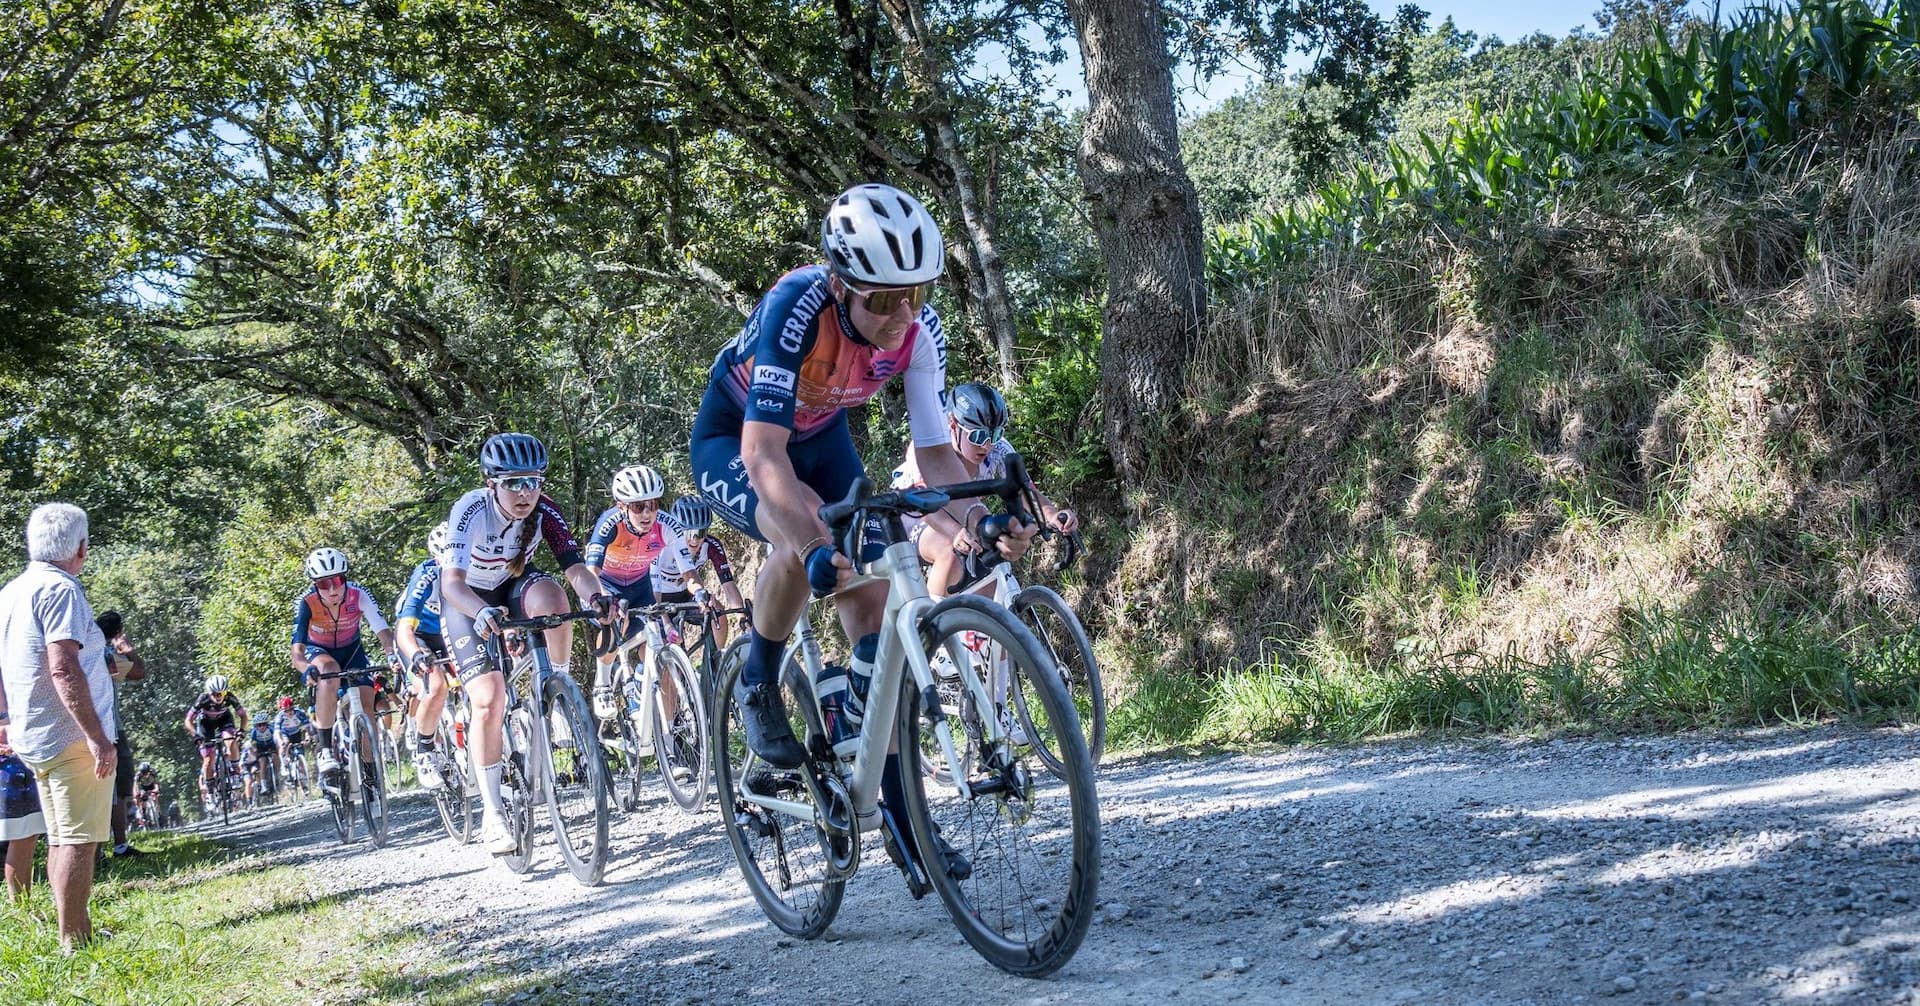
{"x":941,"y":465}
{"x":459,"y":596}
{"x":585,"y":583}
{"x":731,"y":591}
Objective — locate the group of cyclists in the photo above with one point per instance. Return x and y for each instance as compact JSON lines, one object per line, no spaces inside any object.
{"x":262,"y":757}
{"x":770,"y":444}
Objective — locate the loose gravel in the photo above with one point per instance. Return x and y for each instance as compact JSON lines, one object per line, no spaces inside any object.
{"x":1777,"y":866}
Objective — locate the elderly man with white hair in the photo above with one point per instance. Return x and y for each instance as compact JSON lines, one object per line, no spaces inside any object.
{"x":60,"y":706}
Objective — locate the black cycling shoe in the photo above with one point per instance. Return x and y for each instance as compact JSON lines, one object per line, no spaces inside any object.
{"x":957,"y":866}
{"x":763,"y":710}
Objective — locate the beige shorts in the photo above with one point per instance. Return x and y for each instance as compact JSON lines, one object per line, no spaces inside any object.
{"x":78,"y":807}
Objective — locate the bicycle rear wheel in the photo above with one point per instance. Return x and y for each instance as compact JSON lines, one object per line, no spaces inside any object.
{"x":623,"y":761}
{"x":393,"y":752}
{"x":576,"y":781}
{"x":1059,"y":632}
{"x":516,"y":786}
{"x":783,"y":858}
{"x":373,"y":781}
{"x":1030,"y":837}
{"x":680,"y":741}
{"x":451,"y":800}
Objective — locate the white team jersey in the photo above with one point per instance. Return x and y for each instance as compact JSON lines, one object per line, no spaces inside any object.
{"x":492,"y":549}
{"x":993,"y":466}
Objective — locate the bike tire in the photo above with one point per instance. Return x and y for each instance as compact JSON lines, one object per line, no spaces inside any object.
{"x":372,"y":791}
{"x":342,"y":796}
{"x":398,"y":763}
{"x":223,"y":771}
{"x":1058,"y":630}
{"x":627,"y":768}
{"x":516,"y":788}
{"x":576,"y":782}
{"x":451,"y":801}
{"x":681,"y":743}
{"x":758,"y":836}
{"x":1054,"y":818}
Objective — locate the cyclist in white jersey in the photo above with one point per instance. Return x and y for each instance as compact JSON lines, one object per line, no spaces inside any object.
{"x":977,"y":417}
{"x":494,"y":531}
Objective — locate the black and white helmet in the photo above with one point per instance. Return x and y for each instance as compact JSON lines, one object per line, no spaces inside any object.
{"x":638,"y":482}
{"x":693,"y":513}
{"x":437,"y":539}
{"x":977,"y":406}
{"x":878,"y":236}
{"x":508,"y":453}
{"x":326,"y":562}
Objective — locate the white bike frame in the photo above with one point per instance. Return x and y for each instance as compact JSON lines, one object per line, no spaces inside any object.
{"x":907,"y":603}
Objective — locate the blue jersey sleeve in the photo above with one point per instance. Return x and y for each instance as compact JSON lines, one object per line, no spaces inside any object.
{"x":604,"y":531}
{"x":784,"y":327}
{"x":419,"y":602}
{"x":302,"y":614}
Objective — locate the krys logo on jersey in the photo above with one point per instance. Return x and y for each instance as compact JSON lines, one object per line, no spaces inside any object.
{"x":773,"y":377}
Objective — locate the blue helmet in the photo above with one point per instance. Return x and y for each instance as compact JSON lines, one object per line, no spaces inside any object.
{"x":693,"y":513}
{"x":506,"y":453}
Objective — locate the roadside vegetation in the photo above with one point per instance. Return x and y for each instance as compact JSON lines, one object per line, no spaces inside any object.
{"x":196,"y":922}
{"x":1591,"y":411}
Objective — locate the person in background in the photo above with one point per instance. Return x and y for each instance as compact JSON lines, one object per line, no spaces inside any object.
{"x":60,"y":706}
{"x":21,"y":823}
{"x":123,"y":665}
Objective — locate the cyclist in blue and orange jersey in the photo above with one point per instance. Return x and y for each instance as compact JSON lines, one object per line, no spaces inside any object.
{"x":977,"y":418}
{"x":627,"y":538}
{"x":771,"y":441}
{"x":214,"y":719}
{"x":326,"y":640}
{"x":485,"y":578}
{"x":674,"y":583}
{"x":416,"y":634}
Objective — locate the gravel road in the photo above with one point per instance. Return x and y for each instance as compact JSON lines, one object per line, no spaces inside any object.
{"x":1777,"y":866}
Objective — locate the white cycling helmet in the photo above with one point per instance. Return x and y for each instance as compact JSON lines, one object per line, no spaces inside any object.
{"x":878,"y":236}
{"x":437,"y":539}
{"x":216,"y":684}
{"x":326,"y":562}
{"x":638,"y":482}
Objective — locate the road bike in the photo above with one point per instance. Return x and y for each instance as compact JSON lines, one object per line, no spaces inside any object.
{"x":458,"y":784}
{"x":662,"y":709}
{"x":226,"y":778}
{"x":1053,"y":622}
{"x":355,"y":751}
{"x":295,"y":760}
{"x":551,"y":753}
{"x":1015,"y":849}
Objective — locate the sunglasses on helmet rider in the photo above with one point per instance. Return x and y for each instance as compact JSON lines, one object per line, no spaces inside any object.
{"x":887,"y":301}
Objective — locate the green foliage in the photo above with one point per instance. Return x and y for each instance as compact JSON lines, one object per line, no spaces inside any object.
{"x":190,"y":912}
{"x":1667,"y":671}
{"x":1741,"y":94}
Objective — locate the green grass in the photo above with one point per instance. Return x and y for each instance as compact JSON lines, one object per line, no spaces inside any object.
{"x":196,"y":922}
{"x":1660,"y":672}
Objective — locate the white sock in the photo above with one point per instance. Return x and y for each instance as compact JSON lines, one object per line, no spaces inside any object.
{"x":603,"y":674}
{"x":490,"y":792}
{"x":563,"y":667}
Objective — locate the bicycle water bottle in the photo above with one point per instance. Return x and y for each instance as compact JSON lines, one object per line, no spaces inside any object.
{"x":838,"y":716}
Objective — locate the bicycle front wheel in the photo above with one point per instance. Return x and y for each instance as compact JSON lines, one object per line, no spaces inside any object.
{"x":340,"y":796}
{"x":680,"y":739}
{"x":783,"y":857}
{"x":1018,"y":850}
{"x":1059,"y":632}
{"x":576,"y":781}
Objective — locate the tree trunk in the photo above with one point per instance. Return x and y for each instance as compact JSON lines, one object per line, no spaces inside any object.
{"x":1147,"y":217}
{"x":923,"y":76}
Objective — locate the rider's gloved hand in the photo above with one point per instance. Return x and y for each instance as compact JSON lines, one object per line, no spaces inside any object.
{"x":824,"y":566}
{"x":604,"y":606}
{"x":1066,"y":520}
{"x":487,"y":622}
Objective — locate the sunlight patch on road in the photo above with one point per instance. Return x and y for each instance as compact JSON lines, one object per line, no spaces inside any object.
{"x":1459,"y":896}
